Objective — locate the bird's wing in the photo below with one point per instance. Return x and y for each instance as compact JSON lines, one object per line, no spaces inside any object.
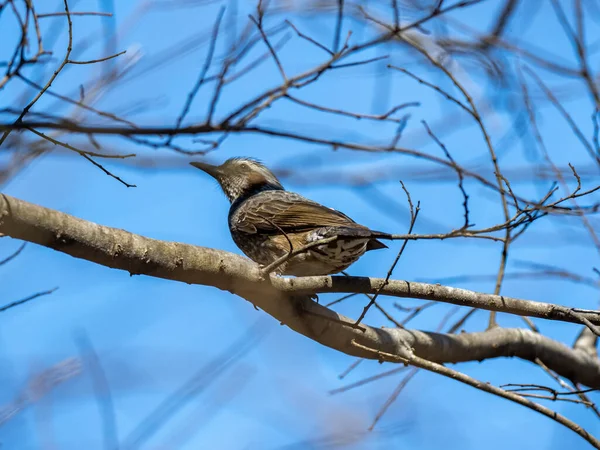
{"x":289,"y":213}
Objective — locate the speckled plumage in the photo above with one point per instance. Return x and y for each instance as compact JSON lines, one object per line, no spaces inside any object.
{"x":264,"y":219}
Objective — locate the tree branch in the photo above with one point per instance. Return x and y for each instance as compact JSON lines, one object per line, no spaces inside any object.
{"x":288,"y":299}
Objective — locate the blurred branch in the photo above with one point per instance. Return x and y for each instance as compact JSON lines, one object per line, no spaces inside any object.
{"x":39,"y":385}
{"x":26,"y":299}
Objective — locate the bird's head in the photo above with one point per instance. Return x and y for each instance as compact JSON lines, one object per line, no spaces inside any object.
{"x":240,"y":177}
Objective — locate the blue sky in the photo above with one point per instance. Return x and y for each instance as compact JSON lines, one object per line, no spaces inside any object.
{"x":151,"y":336}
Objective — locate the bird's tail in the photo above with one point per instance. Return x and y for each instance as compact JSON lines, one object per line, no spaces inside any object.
{"x":381,"y":235}
{"x":360,"y":232}
{"x":374,"y":244}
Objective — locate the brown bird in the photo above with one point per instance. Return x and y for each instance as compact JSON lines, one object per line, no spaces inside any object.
{"x":268,"y":222}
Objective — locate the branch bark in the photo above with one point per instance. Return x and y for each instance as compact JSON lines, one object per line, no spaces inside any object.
{"x":288,"y":299}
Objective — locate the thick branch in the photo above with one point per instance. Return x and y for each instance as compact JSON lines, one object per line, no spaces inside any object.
{"x":286,"y":299}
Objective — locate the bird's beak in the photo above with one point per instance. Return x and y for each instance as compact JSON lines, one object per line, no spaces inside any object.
{"x":213,"y":171}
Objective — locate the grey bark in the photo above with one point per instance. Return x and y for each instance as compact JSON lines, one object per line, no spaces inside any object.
{"x":288,"y":299}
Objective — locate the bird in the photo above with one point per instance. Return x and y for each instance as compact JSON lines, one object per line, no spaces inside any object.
{"x":270,"y":224}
